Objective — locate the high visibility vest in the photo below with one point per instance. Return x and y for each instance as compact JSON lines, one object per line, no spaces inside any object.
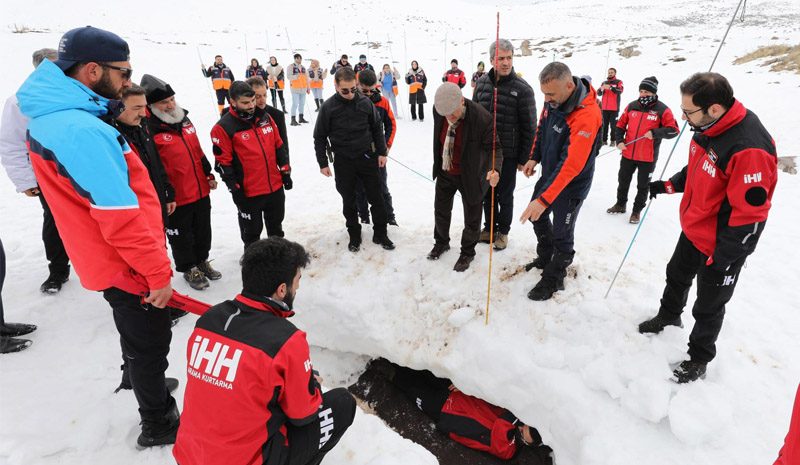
{"x":221,"y":77}
{"x":301,"y":81}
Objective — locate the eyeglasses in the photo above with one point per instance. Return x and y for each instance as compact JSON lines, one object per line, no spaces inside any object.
{"x":351,"y":90}
{"x":127,"y":73}
{"x":687,"y":113}
{"x":369,"y":91}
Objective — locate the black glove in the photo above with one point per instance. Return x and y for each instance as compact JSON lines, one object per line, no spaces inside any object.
{"x":657,"y":187}
{"x":287,"y":181}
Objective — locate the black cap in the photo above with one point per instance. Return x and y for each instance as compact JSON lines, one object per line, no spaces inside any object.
{"x":344,"y":56}
{"x":90,"y":44}
{"x":649,"y":84}
{"x":155,"y":89}
{"x":453,"y":61}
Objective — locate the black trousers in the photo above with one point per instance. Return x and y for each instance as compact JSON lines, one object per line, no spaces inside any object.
{"x":609,"y":124}
{"x":347,"y":172}
{"x":145,"y":334}
{"x":423,"y":388}
{"x":308,"y":444}
{"x":189,"y":234}
{"x":279,"y":92}
{"x":361,"y":197}
{"x":714,"y":290}
{"x":270,"y":207}
{"x":503,"y":199}
{"x":222,"y":96}
{"x":446,"y":187}
{"x":626,"y":170}
{"x":414,"y":111}
{"x":559,"y":233}
{"x":53,"y":247}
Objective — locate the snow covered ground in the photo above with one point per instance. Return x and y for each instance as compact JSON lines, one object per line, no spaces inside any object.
{"x":574,"y":367}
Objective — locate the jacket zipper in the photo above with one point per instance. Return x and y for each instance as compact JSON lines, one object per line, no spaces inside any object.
{"x":264,"y":154}
{"x":688,"y":179}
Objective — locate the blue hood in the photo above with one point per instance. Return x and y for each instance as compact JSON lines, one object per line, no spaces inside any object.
{"x":48,"y":90}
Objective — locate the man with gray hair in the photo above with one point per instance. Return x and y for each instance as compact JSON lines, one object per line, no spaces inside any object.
{"x":566,"y":147}
{"x":15,"y":159}
{"x":516,"y":126}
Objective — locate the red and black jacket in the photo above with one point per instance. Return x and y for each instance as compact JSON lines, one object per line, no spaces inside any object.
{"x":249,"y":373}
{"x":636,"y":121}
{"x":186,"y":164}
{"x":456,"y":76}
{"x":610,"y":99}
{"x":249,"y":155}
{"x":790,"y":452}
{"x":479,"y":425}
{"x":727,"y":187}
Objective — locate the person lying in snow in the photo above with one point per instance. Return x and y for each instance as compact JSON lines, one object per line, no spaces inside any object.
{"x":466,"y":419}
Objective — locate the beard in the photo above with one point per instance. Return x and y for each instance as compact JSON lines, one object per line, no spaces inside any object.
{"x":105,"y":88}
{"x":288,"y":299}
{"x":173,"y":117}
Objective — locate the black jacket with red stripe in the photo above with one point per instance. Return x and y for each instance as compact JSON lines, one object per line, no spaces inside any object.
{"x":249,"y":374}
{"x":636,"y":121}
{"x":727,"y":187}
{"x":186,"y":164}
{"x":479,"y":425}
{"x":249,"y":154}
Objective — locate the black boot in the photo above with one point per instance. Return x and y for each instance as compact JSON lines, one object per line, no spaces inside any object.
{"x":689,"y":371}
{"x":544,"y":252}
{"x":302,"y":120}
{"x":283,"y":107}
{"x":162,"y":430}
{"x":294,"y":121}
{"x":10,"y":345}
{"x":552,"y":277}
{"x":316,"y":100}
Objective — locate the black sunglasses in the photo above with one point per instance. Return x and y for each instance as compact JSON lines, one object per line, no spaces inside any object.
{"x":127,"y":73}
{"x":369,"y":91}
{"x":348,"y":91}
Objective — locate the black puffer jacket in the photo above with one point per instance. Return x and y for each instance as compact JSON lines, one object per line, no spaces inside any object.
{"x":353,"y":128}
{"x":516,"y":112}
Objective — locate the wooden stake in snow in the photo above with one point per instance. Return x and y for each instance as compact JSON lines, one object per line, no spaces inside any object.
{"x":494,"y":149}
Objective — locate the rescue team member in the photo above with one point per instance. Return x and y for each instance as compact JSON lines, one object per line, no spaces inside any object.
{"x":465,"y":419}
{"x":188,"y":169}
{"x":455,"y":75}
{"x":252,"y":395}
{"x":221,"y":77}
{"x":298,"y":81}
{"x":105,"y":206}
{"x":253,"y":163}
{"x":417,"y":82}
{"x":566,"y":146}
{"x":260,"y":88}
{"x":790,"y":452}
{"x":610,"y":90}
{"x":350,"y":127}
{"x":276,"y":83}
{"x":649,"y":121}
{"x":316,"y":78}
{"x":727,"y":191}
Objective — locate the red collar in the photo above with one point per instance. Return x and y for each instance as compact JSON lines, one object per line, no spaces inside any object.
{"x":731,"y":117}
{"x":260,"y":303}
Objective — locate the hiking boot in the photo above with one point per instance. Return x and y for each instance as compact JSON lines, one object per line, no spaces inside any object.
{"x":196,"y":279}
{"x":161,"y":431}
{"x":316,"y":101}
{"x":384,"y":242}
{"x":208,"y":271}
{"x":355,"y":244}
{"x":635,"y":218}
{"x":53,"y":282}
{"x":9,"y":345}
{"x":437,"y":251}
{"x":500,"y":241}
{"x":484,"y":237}
{"x":657,"y":324}
{"x":392,"y":222}
{"x":540,"y":262}
{"x":302,"y":120}
{"x":365,"y":220}
{"x":617,"y":208}
{"x":462,"y":264}
{"x":294,"y":121}
{"x":689,"y":371}
{"x":545,"y":288}
{"x":16,"y":329}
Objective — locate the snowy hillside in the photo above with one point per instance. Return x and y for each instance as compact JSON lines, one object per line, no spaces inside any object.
{"x":575,"y":367}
